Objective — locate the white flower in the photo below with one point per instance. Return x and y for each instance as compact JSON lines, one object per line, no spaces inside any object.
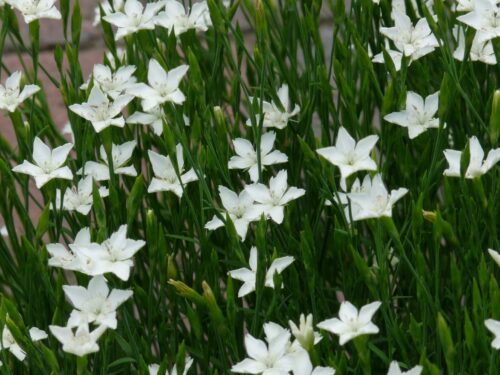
{"x":114,"y":255}
{"x":480,"y":51}
{"x":120,"y":58}
{"x":37,"y":334}
{"x":274,"y":117}
{"x":418,"y":115}
{"x":11,"y":95}
{"x":154,"y":118}
{"x":154,"y":368}
{"x":395,"y":370}
{"x":302,"y":365}
{"x":112,"y":84}
{"x":134,"y":17}
{"x":350,"y":156}
{"x":80,"y":342}
{"x":304,"y":333}
{"x":477,"y":167}
{"x":8,"y":342}
{"x":485,"y":18}
{"x":248,"y":276}
{"x":47,"y":163}
{"x":175,"y":17}
{"x":166,"y":178}
{"x":79,"y":199}
{"x":64,"y":258}
{"x":163,"y":86}
{"x":107,"y":9}
{"x":236,"y":207}
{"x":100,"y":111}
{"x":413,"y":41}
{"x":494,"y":327}
{"x":95,"y":304}
{"x":120,"y":155}
{"x":270,"y":359}
{"x":35,"y":9}
{"x":3,"y":231}
{"x":495,"y":255}
{"x":271,"y":200}
{"x":246,"y":157}
{"x":373,"y":201}
{"x":395,"y":56}
{"x":352,"y":323}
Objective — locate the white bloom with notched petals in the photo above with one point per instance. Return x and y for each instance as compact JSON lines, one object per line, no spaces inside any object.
{"x":111,"y":83}
{"x":271,"y":200}
{"x":394,"y":369}
{"x":154,"y":118}
{"x":248,"y":275}
{"x":80,"y":198}
{"x":418,"y":115}
{"x":100,"y":111}
{"x":374,"y":201}
{"x":270,"y":359}
{"x":134,"y":17}
{"x":166,"y":178}
{"x":114,"y":255}
{"x":80,"y":341}
{"x":11,"y":95}
{"x":175,"y":17}
{"x":276,"y":116}
{"x":350,"y":156}
{"x":236,"y":207}
{"x":47,"y":163}
{"x":246,"y":157}
{"x":120,"y":155}
{"x":413,"y":41}
{"x":35,"y":9}
{"x":352,"y":323}
{"x":163,"y":86}
{"x":10,"y":343}
{"x":95,"y":304}
{"x":477,"y":164}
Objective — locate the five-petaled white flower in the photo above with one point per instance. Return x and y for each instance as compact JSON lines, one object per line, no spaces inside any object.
{"x":154,"y":118}
{"x":47,"y":163}
{"x":175,"y":18}
{"x":413,"y":41}
{"x":80,"y":341}
{"x":479,"y":51}
{"x":100,"y":111}
{"x":352,"y":323}
{"x":494,"y":327}
{"x":394,"y":369}
{"x":134,"y":17}
{"x":246,"y":157}
{"x":120,"y":155}
{"x":11,"y":95}
{"x":80,"y":198}
{"x":418,"y":115}
{"x":61,"y":257}
{"x":95,"y":304}
{"x":276,"y":115}
{"x":166,"y":178}
{"x":477,"y":167}
{"x":248,"y":276}
{"x":271,"y":200}
{"x":163,"y":86}
{"x":114,"y":255}
{"x":35,"y":9}
{"x":112,"y":84}
{"x":350,"y":156}
{"x":10,"y":343}
{"x":236,"y":207}
{"x":270,"y":359}
{"x":485,"y":18}
{"x":154,"y":368}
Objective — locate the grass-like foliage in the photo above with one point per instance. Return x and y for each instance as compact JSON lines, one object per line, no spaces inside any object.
{"x":231,"y":165}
